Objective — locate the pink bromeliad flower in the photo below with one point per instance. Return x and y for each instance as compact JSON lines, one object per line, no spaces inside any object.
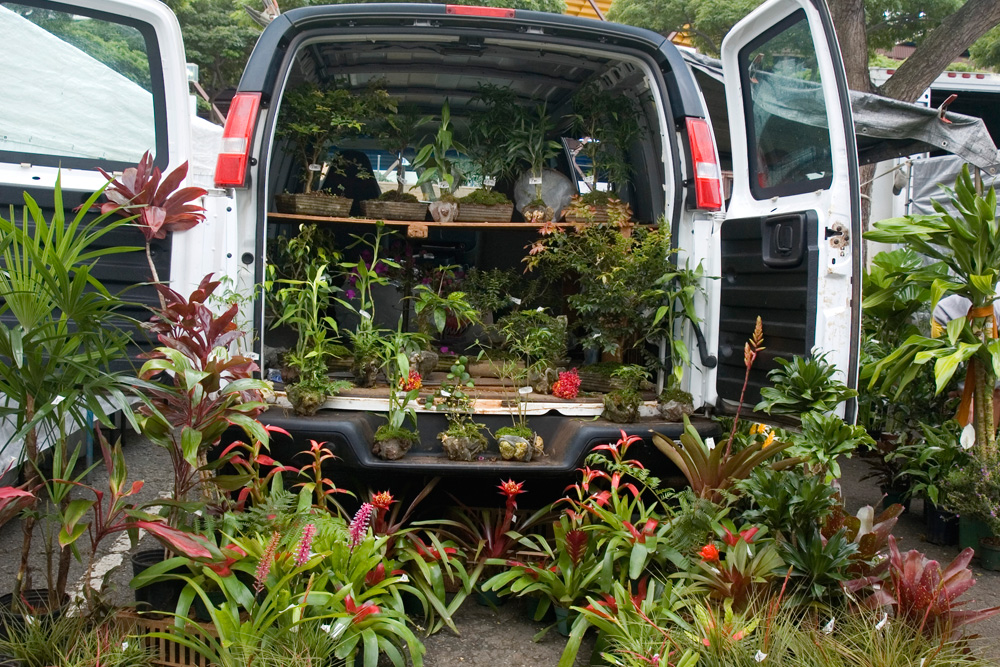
{"x":266,"y":560}
{"x":359,"y":525}
{"x":303,"y":551}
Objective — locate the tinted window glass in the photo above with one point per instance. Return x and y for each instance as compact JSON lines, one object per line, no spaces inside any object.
{"x":787,"y":124}
{"x":74,"y":86}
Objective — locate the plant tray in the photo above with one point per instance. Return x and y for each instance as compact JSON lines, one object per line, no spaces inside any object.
{"x":313,"y":204}
{"x":394,"y":210}
{"x":165,"y":653}
{"x":591,"y":381}
{"x":600,"y":216}
{"x":480,"y":213}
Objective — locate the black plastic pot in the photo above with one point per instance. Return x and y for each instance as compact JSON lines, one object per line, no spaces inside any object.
{"x":34,"y":603}
{"x":942,"y":527}
{"x":158,"y":596}
{"x":896,"y":497}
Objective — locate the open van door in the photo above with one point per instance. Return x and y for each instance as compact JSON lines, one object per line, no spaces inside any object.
{"x":790,"y":241}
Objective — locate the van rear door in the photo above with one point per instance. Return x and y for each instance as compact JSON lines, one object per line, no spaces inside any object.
{"x":790,"y":241}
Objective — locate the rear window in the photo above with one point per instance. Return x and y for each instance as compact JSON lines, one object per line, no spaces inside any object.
{"x":78,"y":89}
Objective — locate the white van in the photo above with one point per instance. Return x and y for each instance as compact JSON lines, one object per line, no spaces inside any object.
{"x":783,"y":247}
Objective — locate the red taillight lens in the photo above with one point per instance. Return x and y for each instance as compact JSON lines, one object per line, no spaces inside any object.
{"x":707,"y":175}
{"x":231,"y":166}
{"x":465,"y":10}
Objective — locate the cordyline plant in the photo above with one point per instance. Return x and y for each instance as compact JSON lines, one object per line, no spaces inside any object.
{"x":922,"y":594}
{"x":155,"y":201}
{"x":208,"y":389}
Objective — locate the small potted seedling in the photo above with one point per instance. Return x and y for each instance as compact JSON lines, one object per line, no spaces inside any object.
{"x":463,"y":440}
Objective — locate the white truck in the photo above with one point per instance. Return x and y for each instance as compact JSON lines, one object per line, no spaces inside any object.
{"x":784,"y":247}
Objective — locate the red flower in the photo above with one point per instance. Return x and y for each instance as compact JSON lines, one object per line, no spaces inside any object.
{"x":746,"y":535}
{"x":710,"y":553}
{"x":568,"y":385}
{"x":366,"y":608}
{"x":232,"y":553}
{"x":511,"y":490}
{"x":382,"y":500}
{"x":413,"y":381}
{"x":608,"y":603}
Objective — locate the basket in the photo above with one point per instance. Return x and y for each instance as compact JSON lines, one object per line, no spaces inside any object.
{"x":394,"y":210}
{"x":313,"y":204}
{"x":481,"y":213}
{"x":600,"y":215}
{"x":165,"y":652}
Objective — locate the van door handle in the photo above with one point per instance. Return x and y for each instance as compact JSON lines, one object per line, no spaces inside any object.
{"x":783,"y":240}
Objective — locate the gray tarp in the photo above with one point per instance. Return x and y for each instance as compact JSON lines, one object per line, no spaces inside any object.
{"x":885,"y":128}
{"x":927,"y":175}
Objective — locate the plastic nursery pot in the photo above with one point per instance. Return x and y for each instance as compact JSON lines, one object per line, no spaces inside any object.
{"x":160,"y":595}
{"x":531,"y":603}
{"x":489,"y":598}
{"x":895,"y":497}
{"x":34,"y":603}
{"x":989,"y":553}
{"x":942,"y":527}
{"x":970,"y":531}
{"x":564,"y":619}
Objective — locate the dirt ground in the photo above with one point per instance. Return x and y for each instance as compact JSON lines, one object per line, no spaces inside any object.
{"x":502,"y":636}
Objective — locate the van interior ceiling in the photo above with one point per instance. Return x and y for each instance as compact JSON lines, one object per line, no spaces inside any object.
{"x":422,"y":73}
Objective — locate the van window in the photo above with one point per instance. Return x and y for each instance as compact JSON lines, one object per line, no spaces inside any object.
{"x":787,"y":124}
{"x":78,"y":88}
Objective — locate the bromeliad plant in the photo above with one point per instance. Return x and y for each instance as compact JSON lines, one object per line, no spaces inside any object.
{"x":803,"y":385}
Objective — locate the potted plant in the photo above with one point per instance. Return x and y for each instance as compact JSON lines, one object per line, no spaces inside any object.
{"x":517,"y":442}
{"x":302,"y":305}
{"x":926,"y":462}
{"x":489,"y":135}
{"x":539,"y":340}
{"x":59,"y":335}
{"x":392,"y":439}
{"x":606,"y":123}
{"x":622,"y":405}
{"x":529,"y":143}
{"x":463,"y":440}
{"x":314,"y":118}
{"x":438,"y":167}
{"x":397,"y":131}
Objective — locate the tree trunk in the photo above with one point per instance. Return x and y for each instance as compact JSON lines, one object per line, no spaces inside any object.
{"x":941,"y":46}
{"x":849,"y":18}
{"x":32,"y":482}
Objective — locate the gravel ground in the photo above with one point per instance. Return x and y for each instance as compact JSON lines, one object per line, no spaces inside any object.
{"x":489,"y":636}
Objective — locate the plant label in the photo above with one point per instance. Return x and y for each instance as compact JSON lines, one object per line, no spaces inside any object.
{"x":535,"y":180}
{"x":315,"y":167}
{"x":489,"y":182}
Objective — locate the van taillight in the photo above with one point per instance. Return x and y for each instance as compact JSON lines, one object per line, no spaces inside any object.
{"x":231,"y":166}
{"x":466,"y":10}
{"x":707,"y":175}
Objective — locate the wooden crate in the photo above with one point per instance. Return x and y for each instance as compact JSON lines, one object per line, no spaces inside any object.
{"x":165,"y":652}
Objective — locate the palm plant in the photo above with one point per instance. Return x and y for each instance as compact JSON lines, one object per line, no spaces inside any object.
{"x":58,"y":339}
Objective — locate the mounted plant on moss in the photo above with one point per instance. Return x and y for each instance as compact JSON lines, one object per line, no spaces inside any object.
{"x":463,"y":439}
{"x":393,"y":439}
{"x":622,"y":405}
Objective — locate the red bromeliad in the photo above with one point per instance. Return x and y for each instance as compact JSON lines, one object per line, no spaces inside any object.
{"x":382,"y":502}
{"x":746,"y":535}
{"x":359,"y":612}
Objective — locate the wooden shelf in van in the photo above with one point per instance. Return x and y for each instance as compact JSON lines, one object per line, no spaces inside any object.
{"x":415,"y":228}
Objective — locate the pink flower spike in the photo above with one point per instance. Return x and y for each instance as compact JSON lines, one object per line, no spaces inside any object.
{"x":303,"y":552}
{"x":359,"y":525}
{"x":266,"y":560}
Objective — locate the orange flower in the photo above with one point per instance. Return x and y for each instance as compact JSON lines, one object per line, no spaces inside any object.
{"x":710,"y":553}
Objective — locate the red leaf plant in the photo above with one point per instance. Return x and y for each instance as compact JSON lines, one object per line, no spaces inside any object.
{"x":156,"y":201}
{"x":203,"y":389}
{"x":323,"y":488}
{"x":922,"y":594}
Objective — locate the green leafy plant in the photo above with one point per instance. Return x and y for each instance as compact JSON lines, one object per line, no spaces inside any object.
{"x":314,"y":118}
{"x":606,"y":121}
{"x":529,"y":142}
{"x":823,"y":439}
{"x":818,"y":564}
{"x":534,"y":336}
{"x":398,"y":131}
{"x":433,"y":157}
{"x":489,"y":138}
{"x":803,"y":385}
{"x":786,"y":501}
{"x":434,"y":309}
{"x":59,"y":335}
{"x":925,"y":463}
{"x":622,"y":404}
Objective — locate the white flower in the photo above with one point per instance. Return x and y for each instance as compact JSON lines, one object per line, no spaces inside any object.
{"x":365,"y":314}
{"x":760,"y":656}
{"x":881,"y":624}
{"x":710,"y":443}
{"x":968,"y":438}
{"x":828,"y":628}
{"x":403,"y":579}
{"x":124,"y":646}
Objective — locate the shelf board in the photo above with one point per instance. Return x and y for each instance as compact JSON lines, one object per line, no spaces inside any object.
{"x":292,"y":217}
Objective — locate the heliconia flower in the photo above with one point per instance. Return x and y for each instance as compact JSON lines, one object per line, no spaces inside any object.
{"x":568,"y":384}
{"x":709,"y":553}
{"x":411,"y":382}
{"x":266,"y":560}
{"x":359,"y":525}
{"x":302,"y":552}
